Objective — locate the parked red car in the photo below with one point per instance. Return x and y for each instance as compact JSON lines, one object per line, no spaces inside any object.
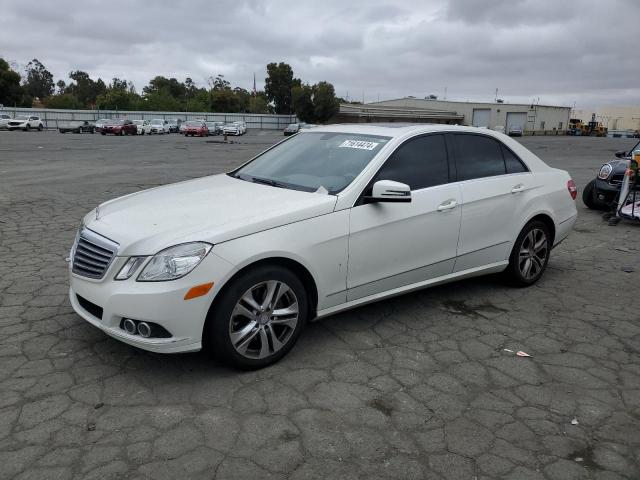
{"x":193,"y":127}
{"x":120,"y":127}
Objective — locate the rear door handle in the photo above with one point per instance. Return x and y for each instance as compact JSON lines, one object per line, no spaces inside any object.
{"x":518,"y":188}
{"x":448,"y":205}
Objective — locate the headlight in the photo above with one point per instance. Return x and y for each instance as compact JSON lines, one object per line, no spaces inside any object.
{"x":130,"y":267}
{"x":174,"y":262}
{"x":605,"y":171}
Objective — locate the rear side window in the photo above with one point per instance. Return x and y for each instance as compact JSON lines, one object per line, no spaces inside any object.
{"x":513,"y":163}
{"x":420,"y":163}
{"x":478,"y":156}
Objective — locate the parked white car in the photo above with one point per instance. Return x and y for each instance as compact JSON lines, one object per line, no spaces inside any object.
{"x":4,"y":120}
{"x":329,"y":219}
{"x":144,"y":126}
{"x":159,"y":126}
{"x":24,"y":122}
{"x":234,"y":128}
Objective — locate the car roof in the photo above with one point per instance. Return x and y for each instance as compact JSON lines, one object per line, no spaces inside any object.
{"x":398,"y":129}
{"x":398,"y":132}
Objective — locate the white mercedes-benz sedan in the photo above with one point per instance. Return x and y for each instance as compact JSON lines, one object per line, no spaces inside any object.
{"x":326,"y":220}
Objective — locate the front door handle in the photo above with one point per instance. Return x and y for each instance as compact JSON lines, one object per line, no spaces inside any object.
{"x":518,"y":188}
{"x":448,"y":205}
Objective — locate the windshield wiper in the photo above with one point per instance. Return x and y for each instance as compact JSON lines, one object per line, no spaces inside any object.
{"x":270,"y":182}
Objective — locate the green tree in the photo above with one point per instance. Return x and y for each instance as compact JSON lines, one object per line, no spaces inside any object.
{"x":259,"y":103}
{"x":62,"y":100}
{"x":39,"y":80}
{"x":10,"y":90}
{"x":243,"y":98}
{"x":161,"y":100}
{"x":85,"y":88}
{"x":200,"y":102}
{"x":325,"y":103}
{"x":219,"y":83}
{"x":303,"y":102}
{"x":224,"y":100}
{"x":170,"y":86}
{"x":119,"y":95}
{"x":279,"y":85}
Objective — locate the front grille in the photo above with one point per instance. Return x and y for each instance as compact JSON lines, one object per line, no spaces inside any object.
{"x":90,"y":307}
{"x":93,"y":254}
{"x":616,"y":179}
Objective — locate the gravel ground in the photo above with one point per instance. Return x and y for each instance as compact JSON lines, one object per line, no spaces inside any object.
{"x":419,"y":386}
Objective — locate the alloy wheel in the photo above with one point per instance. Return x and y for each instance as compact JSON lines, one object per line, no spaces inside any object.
{"x":263,"y":319}
{"x":533,"y":253}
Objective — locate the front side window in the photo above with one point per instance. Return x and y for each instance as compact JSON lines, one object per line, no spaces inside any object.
{"x":419,"y":162}
{"x":477,"y":156}
{"x":314,"y":161}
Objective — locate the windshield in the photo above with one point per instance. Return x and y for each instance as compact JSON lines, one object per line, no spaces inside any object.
{"x":138,"y":122}
{"x":314,"y":160}
{"x":116,"y":122}
{"x":193,"y":124}
{"x":156,"y":122}
{"x":22,"y":117}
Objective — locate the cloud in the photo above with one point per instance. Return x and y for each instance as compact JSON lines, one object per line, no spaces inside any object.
{"x":382,"y":48}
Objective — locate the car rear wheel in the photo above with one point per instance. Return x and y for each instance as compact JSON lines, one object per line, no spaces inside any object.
{"x":40,"y":127}
{"x":530,"y":254}
{"x":258,"y":317}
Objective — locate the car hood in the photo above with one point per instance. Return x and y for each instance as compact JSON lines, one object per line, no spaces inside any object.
{"x":212,"y":209}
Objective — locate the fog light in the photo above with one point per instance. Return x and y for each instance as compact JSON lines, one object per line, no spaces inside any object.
{"x":129,"y":326}
{"x":144,"y":329}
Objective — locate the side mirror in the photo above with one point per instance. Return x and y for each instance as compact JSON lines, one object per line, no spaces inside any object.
{"x":389,"y":191}
{"x":621,"y":154}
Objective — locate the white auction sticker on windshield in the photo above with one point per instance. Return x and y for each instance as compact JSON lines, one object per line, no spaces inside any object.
{"x":359,"y":144}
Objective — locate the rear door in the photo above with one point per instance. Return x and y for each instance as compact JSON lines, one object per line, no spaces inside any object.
{"x":494,"y":183}
{"x":392,"y":245}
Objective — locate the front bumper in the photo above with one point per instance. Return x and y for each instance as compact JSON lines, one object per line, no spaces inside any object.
{"x":158,"y":302}
{"x":606,"y":192}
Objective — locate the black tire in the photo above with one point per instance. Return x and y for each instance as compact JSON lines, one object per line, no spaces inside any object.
{"x":103,"y":133}
{"x":219,"y":322}
{"x":27,"y":128}
{"x":516,"y":271}
{"x":40,"y":127}
{"x":589,"y":196}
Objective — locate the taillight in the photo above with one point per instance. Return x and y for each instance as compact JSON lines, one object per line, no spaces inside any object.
{"x":573,"y":191}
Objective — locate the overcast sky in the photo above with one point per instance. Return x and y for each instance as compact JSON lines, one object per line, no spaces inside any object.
{"x":560,"y":51}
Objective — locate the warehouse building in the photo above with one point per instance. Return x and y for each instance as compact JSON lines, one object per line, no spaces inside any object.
{"x":533,"y":119}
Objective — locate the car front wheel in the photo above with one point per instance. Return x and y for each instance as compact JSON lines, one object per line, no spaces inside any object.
{"x":589,"y":196}
{"x":530,"y":254}
{"x":258,"y":317}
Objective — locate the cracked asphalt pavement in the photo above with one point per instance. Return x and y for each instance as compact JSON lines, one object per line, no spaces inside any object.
{"x":420,"y":386}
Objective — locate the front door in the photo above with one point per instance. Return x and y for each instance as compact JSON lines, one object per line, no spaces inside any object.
{"x":392,"y":245}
